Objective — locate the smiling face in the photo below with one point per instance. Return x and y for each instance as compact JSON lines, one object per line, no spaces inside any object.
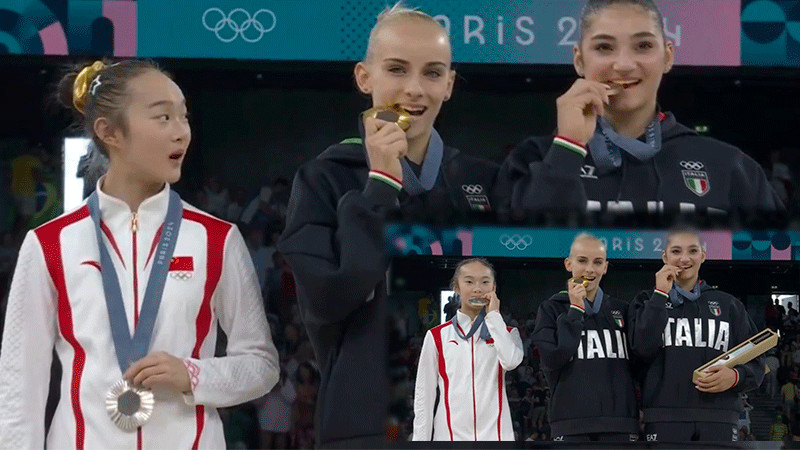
{"x":408,"y":65}
{"x":624,"y":44}
{"x":685,"y":252}
{"x":587,"y":260}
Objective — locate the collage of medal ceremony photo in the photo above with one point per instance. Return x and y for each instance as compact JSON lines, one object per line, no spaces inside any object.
{"x":365,"y":223}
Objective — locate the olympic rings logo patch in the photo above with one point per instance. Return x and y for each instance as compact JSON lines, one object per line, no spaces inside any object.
{"x":239,"y":22}
{"x":692,"y":165}
{"x":516,"y":241}
{"x":472,"y":189}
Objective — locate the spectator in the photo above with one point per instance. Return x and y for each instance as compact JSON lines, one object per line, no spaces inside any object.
{"x":256,"y":209}
{"x":236,"y":205}
{"x":771,"y":315}
{"x":779,"y":431}
{"x":538,"y":412}
{"x":23,"y":187}
{"x":260,"y":254}
{"x":275,"y":413}
{"x":745,"y":434}
{"x":216,"y":196}
{"x":744,"y":415}
{"x":302,"y":433}
{"x":789,"y":391}
{"x":771,"y":379}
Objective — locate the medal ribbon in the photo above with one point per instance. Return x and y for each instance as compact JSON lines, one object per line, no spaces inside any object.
{"x":430,"y":168}
{"x":607,"y":146}
{"x":130,"y":349}
{"x":478,"y":323}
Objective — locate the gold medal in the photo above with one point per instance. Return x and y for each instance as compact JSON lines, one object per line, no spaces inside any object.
{"x":128,"y":406}
{"x":390,"y":114}
{"x":579,"y":280}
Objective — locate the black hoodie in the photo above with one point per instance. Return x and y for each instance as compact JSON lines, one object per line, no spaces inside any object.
{"x":674,"y":340}
{"x":334,"y":243}
{"x":585,"y":360}
{"x":539,"y":176}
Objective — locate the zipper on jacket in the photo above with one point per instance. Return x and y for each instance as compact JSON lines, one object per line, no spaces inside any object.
{"x":135,"y":267}
{"x":474,"y":407}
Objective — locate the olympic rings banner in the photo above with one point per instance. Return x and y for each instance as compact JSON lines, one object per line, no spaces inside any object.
{"x":403,"y":240}
{"x":705,"y":32}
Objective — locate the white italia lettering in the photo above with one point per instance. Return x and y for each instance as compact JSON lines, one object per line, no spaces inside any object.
{"x":593,"y":205}
{"x":597,"y":347}
{"x":722,"y":337}
{"x":620,"y":207}
{"x":609,"y":348}
{"x":622,"y":344}
{"x":683,"y":333}
{"x":654,"y":207}
{"x":698,"y":333}
{"x":712,"y":326}
{"x":594,"y":348}
{"x":668,"y":332}
{"x":687,"y":207}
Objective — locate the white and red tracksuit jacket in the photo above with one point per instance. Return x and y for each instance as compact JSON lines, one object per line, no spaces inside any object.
{"x":471,"y":378}
{"x":56,"y":301}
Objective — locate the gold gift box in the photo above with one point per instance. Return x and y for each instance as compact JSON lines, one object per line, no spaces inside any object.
{"x":742,"y":353}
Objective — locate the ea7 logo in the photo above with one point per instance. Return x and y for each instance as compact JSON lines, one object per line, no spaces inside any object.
{"x":652,"y":437}
{"x":588,"y":172}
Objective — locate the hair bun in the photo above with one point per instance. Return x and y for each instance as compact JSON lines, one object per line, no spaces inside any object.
{"x":81,"y":85}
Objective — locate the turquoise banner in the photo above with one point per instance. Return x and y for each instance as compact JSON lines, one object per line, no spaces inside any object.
{"x":555,"y":243}
{"x":481,"y":31}
{"x":705,"y":32}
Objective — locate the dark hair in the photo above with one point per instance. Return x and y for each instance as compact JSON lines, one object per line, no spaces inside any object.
{"x":593,"y":7}
{"x":681,"y":229}
{"x":484,"y":261}
{"x":107,"y":97}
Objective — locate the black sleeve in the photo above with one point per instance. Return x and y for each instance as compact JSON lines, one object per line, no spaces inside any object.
{"x":532,"y":180}
{"x":751,"y":374}
{"x":750,"y":189}
{"x":557,"y":338}
{"x":647,"y":317}
{"x":335,"y":249}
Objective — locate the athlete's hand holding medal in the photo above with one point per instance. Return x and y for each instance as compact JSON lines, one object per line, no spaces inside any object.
{"x":666,"y":276}
{"x":576,"y":287}
{"x":489,"y":300}
{"x":579,"y":107}
{"x":159,"y":370}
{"x":385,"y":138}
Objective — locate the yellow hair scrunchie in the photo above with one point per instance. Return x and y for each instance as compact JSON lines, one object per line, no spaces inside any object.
{"x":80,"y":88}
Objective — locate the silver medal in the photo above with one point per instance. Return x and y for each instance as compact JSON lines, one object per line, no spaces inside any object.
{"x":128,"y":406}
